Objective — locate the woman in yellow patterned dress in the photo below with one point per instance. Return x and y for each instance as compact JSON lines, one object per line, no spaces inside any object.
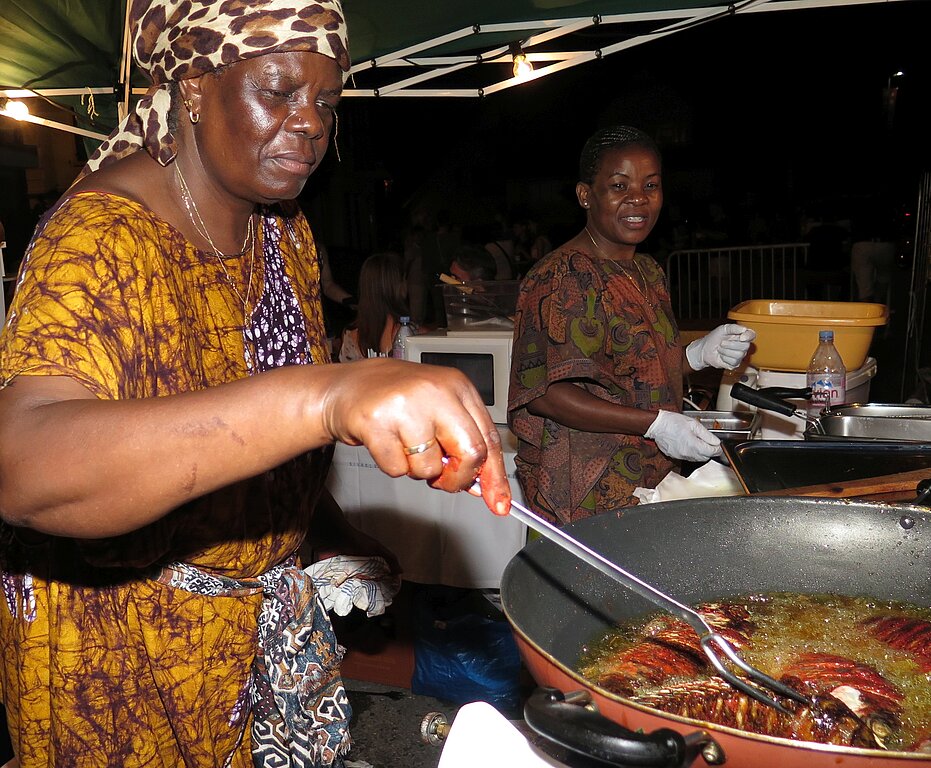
{"x":167,"y":416}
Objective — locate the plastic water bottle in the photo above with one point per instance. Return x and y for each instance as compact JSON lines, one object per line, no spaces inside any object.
{"x":400,"y":338}
{"x":826,"y":376}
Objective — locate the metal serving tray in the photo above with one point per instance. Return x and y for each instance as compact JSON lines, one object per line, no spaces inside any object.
{"x":772,"y":465}
{"x":728,"y":425}
{"x":874,"y":421}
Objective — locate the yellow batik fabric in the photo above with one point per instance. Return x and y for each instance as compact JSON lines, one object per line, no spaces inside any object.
{"x":102,"y":665}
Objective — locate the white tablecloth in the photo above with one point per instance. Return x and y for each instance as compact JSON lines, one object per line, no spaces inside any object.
{"x":439,"y":538}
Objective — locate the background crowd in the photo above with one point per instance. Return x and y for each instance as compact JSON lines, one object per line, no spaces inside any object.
{"x":854,"y":250}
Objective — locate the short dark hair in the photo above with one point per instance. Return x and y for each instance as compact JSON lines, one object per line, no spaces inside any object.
{"x":478,"y":262}
{"x":615,"y":137}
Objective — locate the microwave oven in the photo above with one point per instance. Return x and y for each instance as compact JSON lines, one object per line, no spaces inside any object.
{"x":483,"y":356}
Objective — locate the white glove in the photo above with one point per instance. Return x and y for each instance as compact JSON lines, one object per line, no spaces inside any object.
{"x":724,"y":347}
{"x":682,"y":437}
{"x":347,"y":581}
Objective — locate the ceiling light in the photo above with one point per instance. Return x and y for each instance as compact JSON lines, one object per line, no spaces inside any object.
{"x":15,"y":109}
{"x":522,"y":66}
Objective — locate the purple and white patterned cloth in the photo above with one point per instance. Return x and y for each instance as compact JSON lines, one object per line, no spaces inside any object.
{"x":275,"y":335}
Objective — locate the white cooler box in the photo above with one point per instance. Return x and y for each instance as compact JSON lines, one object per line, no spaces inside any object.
{"x":775,"y":426}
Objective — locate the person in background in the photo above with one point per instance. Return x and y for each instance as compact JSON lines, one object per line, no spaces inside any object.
{"x":597,"y":367}
{"x":472,"y":263}
{"x":382,"y":304}
{"x":872,"y":257}
{"x":448,"y":240}
{"x":501,"y":247}
{"x":826,"y":276}
{"x":335,"y":293}
{"x":418,"y":285}
{"x":540,"y":247}
{"x":168,"y":413}
{"x":530,"y":245}
{"x":328,"y":285}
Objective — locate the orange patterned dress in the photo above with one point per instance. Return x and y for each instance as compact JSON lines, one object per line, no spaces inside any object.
{"x":104,"y":662}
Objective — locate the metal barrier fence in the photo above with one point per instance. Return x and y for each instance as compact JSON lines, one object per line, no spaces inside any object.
{"x":705,"y":283}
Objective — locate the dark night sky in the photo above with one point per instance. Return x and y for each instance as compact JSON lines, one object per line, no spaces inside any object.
{"x":784,"y":110}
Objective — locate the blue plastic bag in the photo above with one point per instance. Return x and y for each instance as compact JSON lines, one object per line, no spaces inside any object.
{"x":467,"y":658}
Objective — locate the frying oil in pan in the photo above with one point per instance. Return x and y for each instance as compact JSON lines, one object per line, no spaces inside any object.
{"x":867,"y":663}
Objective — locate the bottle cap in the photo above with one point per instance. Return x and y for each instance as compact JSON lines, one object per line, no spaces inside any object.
{"x":826,"y":335}
{"x":406,"y":319}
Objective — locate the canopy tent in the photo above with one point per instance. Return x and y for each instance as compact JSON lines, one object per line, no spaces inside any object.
{"x":75,"y":52}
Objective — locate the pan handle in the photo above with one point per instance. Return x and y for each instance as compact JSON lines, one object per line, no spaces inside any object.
{"x":762,"y":399}
{"x":789,"y":393}
{"x":579,"y":729}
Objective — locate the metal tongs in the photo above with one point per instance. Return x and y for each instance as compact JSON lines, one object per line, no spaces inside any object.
{"x":711,"y":641}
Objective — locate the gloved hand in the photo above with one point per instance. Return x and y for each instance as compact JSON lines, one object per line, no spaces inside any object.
{"x":724,"y":347}
{"x":347,"y":581}
{"x":682,"y":437}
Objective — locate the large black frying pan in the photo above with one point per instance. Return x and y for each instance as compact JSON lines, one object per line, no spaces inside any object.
{"x":697,"y":550}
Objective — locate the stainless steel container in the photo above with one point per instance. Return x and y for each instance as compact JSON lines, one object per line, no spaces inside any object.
{"x":873,"y":421}
{"x":728,"y":425}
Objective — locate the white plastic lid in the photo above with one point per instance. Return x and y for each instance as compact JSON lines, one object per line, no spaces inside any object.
{"x":796,"y":379}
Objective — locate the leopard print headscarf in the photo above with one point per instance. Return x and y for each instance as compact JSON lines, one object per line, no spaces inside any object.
{"x":177,"y":39}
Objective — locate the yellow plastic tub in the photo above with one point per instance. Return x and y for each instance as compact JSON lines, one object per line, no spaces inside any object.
{"x":787,"y":331}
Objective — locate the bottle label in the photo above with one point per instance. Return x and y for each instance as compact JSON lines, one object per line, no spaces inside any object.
{"x":826,"y":391}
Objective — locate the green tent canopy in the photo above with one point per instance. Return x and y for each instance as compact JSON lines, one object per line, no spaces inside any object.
{"x":73,"y":52}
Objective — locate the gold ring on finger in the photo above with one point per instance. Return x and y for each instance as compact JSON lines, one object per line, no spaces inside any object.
{"x":420,"y":447}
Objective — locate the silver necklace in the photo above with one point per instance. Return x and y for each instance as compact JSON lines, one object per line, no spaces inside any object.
{"x":641,"y":290}
{"x":198,"y":222}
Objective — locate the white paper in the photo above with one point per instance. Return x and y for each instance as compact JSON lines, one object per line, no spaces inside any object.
{"x":482,"y":736}
{"x":710,"y":479}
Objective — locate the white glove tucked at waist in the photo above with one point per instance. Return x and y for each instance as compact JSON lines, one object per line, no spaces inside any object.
{"x":345,"y":581}
{"x":682,"y":437}
{"x":725,"y":347}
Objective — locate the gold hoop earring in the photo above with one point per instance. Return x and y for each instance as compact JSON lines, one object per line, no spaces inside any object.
{"x":193,"y":116}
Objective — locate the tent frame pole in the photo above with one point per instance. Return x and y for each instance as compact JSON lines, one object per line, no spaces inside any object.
{"x":552,"y":28}
{"x":431,"y":67}
{"x":126,"y":60}
{"x":60,"y":126}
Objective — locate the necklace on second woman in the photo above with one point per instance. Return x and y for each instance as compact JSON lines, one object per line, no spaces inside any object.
{"x":640,"y":285}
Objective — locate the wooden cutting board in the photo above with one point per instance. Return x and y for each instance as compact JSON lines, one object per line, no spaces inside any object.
{"x":897,"y":487}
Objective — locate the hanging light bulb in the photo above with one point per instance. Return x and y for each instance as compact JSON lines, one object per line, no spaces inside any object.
{"x":15,"y":109}
{"x":522,"y":65}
